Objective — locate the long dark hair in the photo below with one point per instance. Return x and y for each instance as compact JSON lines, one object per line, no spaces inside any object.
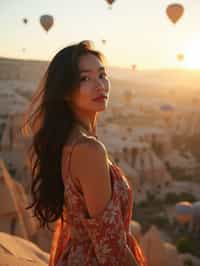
{"x":50,"y":120}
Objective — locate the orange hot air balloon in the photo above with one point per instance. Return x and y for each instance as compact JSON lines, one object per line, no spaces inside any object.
{"x":180,"y":57}
{"x":46,"y":22}
{"x":110,"y":2}
{"x":25,"y":20}
{"x":174,"y":12}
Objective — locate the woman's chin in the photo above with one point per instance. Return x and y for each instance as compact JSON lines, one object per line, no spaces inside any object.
{"x":101,"y":109}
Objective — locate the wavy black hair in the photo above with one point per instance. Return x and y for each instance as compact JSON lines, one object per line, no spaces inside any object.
{"x":50,"y":120}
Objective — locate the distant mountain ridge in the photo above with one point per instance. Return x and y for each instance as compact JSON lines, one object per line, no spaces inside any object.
{"x":33,"y":69}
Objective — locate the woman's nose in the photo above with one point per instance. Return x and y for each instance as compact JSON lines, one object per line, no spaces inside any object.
{"x":99,"y":84}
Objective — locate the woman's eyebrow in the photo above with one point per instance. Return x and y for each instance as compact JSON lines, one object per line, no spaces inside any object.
{"x":88,"y":70}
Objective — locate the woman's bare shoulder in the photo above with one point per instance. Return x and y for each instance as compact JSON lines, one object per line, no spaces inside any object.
{"x":82,"y":141}
{"x":84,"y":150}
{"x":89,"y":146}
{"x":89,"y":165}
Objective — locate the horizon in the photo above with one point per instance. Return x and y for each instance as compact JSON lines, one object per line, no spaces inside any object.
{"x":110,"y":66}
{"x":145,"y":36}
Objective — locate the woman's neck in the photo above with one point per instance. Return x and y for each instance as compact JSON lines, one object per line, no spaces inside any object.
{"x":86,"y":128}
{"x":87,"y":123}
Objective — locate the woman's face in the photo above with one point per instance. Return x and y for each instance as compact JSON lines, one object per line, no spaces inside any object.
{"x":94,"y":83}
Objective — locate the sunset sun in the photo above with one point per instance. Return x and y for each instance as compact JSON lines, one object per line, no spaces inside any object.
{"x":192,"y":55}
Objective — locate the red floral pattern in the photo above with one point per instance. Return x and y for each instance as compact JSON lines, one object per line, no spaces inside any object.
{"x":101,"y":240}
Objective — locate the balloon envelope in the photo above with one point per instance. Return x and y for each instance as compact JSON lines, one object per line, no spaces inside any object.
{"x":25,"y":20}
{"x":46,"y":22}
{"x":166,"y":107}
{"x":183,"y":212}
{"x":174,"y":12}
{"x":110,"y":2}
{"x":180,"y":57}
{"x":184,"y":207}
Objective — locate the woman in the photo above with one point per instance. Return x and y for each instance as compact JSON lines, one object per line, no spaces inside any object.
{"x":74,"y":182}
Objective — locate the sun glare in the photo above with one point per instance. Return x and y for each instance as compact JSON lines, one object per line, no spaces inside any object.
{"x":192,"y":55}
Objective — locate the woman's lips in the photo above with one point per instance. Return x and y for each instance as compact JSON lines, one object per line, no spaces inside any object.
{"x":101,"y":98}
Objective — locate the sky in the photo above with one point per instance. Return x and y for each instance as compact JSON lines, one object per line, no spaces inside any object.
{"x":137,"y":32}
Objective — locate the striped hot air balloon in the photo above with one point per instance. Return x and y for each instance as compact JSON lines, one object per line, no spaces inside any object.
{"x":183,"y":212}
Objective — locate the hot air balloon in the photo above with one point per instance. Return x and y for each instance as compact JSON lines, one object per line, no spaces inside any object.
{"x":103,"y":41}
{"x":110,"y":2}
{"x":180,"y":57}
{"x":46,"y":22}
{"x":25,"y":20}
{"x":133,"y":67}
{"x":174,"y":12}
{"x":183,"y":212}
{"x":167,"y":110}
{"x":166,"y":107}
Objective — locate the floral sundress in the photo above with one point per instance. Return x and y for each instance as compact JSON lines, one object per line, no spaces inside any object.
{"x":101,"y":241}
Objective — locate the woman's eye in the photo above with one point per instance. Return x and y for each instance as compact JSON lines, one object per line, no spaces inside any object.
{"x":85,"y":78}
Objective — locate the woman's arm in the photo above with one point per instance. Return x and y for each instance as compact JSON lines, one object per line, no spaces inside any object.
{"x":93,"y":174}
{"x":104,"y":221}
